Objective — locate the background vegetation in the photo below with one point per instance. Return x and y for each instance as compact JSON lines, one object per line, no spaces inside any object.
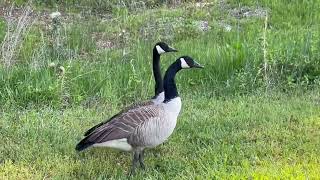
{"x":253,"y":112}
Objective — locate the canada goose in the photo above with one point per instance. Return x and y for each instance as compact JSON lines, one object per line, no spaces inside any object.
{"x":158,"y":49}
{"x":145,"y":126}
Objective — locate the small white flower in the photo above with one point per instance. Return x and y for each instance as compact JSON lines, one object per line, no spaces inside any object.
{"x":61,"y":70}
{"x":52,"y":65}
{"x":228,"y":28}
{"x":55,"y":15}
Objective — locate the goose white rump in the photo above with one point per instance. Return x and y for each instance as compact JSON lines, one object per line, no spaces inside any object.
{"x":121,"y":144}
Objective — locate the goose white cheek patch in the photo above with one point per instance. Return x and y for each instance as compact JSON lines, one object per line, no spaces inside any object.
{"x":184,"y":63}
{"x":160,"y":50}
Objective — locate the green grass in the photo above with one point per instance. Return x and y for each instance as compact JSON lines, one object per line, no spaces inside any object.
{"x":234,"y":60}
{"x":238,"y":121}
{"x":256,"y":136}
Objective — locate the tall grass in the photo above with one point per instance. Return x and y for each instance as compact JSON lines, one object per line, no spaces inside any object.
{"x":234,"y":60}
{"x":74,"y":71}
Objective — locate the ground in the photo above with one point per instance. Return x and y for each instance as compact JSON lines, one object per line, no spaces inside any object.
{"x":253,"y":112}
{"x":256,"y":136}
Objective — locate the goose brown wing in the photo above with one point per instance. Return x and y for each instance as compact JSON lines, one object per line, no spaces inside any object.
{"x":123,"y":125}
{"x":126,"y":109}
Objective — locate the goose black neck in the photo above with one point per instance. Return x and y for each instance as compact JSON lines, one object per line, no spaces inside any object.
{"x":157,"y":72}
{"x":170,"y":88}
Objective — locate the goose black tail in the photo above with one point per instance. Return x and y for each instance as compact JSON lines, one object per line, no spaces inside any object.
{"x":88,"y":132}
{"x":83,"y":144}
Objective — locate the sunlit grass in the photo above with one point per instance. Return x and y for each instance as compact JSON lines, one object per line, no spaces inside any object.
{"x":250,"y":136}
{"x":231,"y":124}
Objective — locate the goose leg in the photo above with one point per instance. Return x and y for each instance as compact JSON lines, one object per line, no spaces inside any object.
{"x":135,"y":160}
{"x":141,"y":157}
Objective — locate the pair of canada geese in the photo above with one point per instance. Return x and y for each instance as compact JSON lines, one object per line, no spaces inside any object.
{"x":145,"y":124}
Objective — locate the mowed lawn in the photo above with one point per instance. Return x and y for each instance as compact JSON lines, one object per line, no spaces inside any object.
{"x":226,"y":129}
{"x":253,"y":136}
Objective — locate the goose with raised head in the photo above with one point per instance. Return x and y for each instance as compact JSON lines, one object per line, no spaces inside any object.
{"x":158,"y":49}
{"x":145,"y":126}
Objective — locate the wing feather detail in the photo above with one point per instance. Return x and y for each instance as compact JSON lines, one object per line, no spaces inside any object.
{"x":125,"y":110}
{"x":124,"y":125}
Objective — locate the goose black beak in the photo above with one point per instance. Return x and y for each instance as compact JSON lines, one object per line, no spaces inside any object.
{"x":197,"y":65}
{"x":170,"y":49}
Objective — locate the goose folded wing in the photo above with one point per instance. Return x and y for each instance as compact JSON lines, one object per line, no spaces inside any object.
{"x":123,"y":125}
{"x":126,"y":110}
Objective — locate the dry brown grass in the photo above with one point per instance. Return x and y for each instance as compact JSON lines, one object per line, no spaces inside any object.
{"x":16,"y":30}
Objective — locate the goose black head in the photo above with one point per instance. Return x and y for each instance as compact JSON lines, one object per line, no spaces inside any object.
{"x":187,"y":62}
{"x":162,"y":47}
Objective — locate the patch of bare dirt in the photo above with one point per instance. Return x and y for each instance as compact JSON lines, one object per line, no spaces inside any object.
{"x":243,"y":11}
{"x":103,"y":41}
{"x":203,"y":25}
{"x":42,"y":18}
{"x":247,"y":12}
